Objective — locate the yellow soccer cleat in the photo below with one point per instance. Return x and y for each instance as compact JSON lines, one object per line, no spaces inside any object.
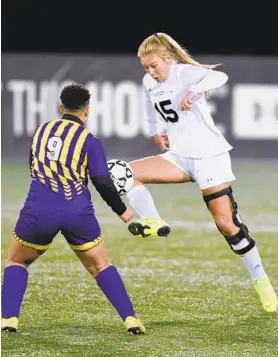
{"x":134,"y":326}
{"x":266,"y":294}
{"x":10,"y":324}
{"x":146,"y":227}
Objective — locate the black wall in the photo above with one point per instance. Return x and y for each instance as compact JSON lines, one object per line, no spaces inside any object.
{"x":203,"y":27}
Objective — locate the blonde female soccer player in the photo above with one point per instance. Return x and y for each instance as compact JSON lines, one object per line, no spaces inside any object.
{"x":176,"y":88}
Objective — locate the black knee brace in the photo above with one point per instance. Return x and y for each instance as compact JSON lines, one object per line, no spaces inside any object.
{"x":241,"y":242}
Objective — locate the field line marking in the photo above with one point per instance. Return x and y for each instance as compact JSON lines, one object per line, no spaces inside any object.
{"x":210,"y":225}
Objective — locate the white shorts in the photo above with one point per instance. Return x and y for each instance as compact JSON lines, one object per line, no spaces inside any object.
{"x":207,"y":172}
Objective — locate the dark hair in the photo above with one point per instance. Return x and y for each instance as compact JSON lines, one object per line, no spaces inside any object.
{"x":75,"y":96}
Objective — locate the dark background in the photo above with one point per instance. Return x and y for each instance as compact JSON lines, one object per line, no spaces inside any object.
{"x":203,"y":27}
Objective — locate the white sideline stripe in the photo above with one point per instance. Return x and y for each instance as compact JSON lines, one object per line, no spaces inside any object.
{"x":198,"y":225}
{"x":8,"y":212}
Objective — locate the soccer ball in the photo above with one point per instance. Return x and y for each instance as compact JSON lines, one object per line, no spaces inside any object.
{"x":121,"y":174}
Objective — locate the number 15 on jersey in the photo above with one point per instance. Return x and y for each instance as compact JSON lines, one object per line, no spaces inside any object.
{"x":165,"y":110}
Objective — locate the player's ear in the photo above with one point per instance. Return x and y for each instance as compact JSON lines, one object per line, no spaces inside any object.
{"x":61,"y":109}
{"x":86,"y":112}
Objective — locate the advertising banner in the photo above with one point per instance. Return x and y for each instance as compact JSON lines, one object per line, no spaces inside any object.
{"x":245,"y":108}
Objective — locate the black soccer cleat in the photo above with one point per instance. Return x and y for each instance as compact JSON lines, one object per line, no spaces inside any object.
{"x":149,"y":227}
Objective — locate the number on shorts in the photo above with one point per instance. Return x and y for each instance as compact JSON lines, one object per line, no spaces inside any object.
{"x":54,"y":145}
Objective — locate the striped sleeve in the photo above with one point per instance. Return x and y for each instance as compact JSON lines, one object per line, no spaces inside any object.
{"x":97,"y":162}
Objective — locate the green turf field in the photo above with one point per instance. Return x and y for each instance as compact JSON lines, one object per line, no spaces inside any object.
{"x":192,"y":293}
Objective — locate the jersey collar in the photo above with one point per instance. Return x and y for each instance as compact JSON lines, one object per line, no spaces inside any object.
{"x":72,"y":118}
{"x":172,"y":67}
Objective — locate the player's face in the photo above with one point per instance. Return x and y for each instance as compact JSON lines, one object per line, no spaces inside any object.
{"x":156,"y":66}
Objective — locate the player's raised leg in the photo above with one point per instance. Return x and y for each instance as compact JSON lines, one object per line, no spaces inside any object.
{"x":15,"y":281}
{"x":95,"y":260}
{"x":154,"y":169}
{"x":224,"y":209}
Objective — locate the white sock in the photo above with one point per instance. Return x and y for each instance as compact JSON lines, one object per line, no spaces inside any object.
{"x":141,"y":201}
{"x":253,"y":263}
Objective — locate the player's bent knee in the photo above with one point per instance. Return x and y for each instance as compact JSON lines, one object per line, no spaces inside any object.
{"x":133,"y":164}
{"x":100,"y":268}
{"x":241,"y":242}
{"x":138,"y":177}
{"x":95,"y":259}
{"x":95,"y":269}
{"x":23,"y":261}
{"x":224,"y":223}
{"x":20,"y":253}
{"x":11,"y":262}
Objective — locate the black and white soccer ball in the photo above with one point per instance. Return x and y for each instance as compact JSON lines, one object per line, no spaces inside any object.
{"x":121,"y":174}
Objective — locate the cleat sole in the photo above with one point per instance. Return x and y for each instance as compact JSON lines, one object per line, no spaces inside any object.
{"x":9,"y":329}
{"x":137,"y":229}
{"x":164,"y":231}
{"x":135,"y":331}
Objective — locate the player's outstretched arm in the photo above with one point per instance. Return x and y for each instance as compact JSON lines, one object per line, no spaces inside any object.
{"x":100,"y":177}
{"x":200,"y":80}
{"x":211,"y":80}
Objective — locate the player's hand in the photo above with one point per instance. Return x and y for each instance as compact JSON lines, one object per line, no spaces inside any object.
{"x":127,"y":215}
{"x":187,"y":101}
{"x":162,"y":141}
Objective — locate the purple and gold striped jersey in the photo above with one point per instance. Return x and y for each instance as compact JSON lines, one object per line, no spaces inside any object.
{"x":62,"y":155}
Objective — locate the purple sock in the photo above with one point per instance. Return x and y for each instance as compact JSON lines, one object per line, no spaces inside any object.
{"x":111,"y":284}
{"x":13,"y":289}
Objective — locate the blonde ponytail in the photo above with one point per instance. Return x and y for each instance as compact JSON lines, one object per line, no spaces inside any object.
{"x":161,"y":42}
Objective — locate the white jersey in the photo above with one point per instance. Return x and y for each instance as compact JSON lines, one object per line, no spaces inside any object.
{"x":191,"y":133}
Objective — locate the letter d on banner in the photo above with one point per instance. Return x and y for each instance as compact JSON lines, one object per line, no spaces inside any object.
{"x":255,"y":111}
